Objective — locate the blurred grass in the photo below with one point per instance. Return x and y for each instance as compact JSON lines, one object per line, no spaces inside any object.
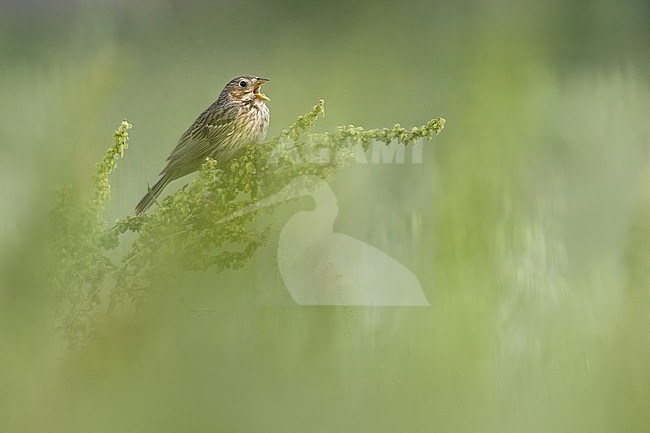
{"x":525,"y":223}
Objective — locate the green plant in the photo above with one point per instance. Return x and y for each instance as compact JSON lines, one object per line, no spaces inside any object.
{"x":209,"y":223}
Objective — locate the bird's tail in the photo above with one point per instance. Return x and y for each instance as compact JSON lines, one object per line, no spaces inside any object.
{"x":153,"y":193}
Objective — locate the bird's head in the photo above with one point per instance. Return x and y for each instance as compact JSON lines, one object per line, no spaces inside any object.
{"x":247,"y":88}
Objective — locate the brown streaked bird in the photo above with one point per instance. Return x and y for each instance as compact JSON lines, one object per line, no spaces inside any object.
{"x":237,"y":118}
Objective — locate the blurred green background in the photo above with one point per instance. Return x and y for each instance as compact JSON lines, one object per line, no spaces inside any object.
{"x":527,"y":224}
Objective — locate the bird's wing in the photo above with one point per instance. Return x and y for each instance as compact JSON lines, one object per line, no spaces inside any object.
{"x":208,"y":132}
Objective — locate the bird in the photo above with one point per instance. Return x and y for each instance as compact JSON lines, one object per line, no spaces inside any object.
{"x":239,"y":117}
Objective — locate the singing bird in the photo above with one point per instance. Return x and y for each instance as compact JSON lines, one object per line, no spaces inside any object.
{"x":237,"y":118}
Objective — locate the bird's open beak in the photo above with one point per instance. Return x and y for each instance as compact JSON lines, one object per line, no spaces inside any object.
{"x":257,"y":89}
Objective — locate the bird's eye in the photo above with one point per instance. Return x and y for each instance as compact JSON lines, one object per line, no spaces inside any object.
{"x":243,"y":83}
